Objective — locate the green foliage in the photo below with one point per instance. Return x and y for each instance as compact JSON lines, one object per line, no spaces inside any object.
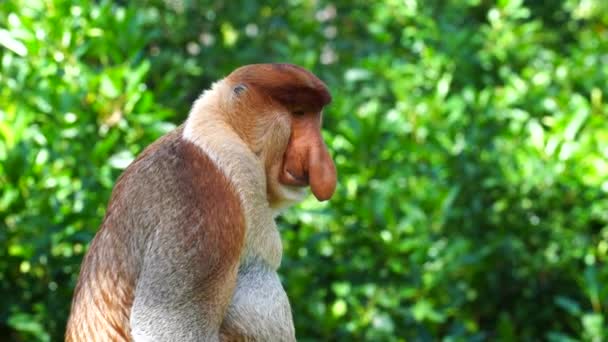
{"x":470,"y":138}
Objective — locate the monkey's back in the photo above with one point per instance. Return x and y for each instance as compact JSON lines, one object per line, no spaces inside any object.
{"x":159,"y":219}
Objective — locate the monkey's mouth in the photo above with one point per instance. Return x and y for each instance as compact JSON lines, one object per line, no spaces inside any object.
{"x":289,"y":178}
{"x":291,"y":189}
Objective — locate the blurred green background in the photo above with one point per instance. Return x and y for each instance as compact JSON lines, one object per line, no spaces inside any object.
{"x":471,"y":139}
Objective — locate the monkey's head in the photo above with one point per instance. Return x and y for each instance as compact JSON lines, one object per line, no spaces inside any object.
{"x":279,"y":115}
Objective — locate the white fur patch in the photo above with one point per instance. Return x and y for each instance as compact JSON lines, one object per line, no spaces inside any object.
{"x":206,"y":128}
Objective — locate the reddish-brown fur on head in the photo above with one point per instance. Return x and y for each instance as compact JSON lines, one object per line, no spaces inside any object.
{"x":290,"y":85}
{"x":300,"y":94}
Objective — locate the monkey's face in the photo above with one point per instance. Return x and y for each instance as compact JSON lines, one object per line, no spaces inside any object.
{"x":299,"y":159}
{"x":284,"y":106}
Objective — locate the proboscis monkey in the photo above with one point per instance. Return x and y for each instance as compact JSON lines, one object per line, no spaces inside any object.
{"x":189,"y":249}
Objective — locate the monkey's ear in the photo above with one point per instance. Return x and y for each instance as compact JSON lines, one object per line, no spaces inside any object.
{"x":238,"y":89}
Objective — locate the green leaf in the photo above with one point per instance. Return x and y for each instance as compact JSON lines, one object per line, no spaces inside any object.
{"x":108,"y":88}
{"x":11,"y":43}
{"x":121,"y":159}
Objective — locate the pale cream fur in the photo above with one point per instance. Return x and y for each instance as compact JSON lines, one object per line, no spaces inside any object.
{"x":259,"y":309}
{"x":206,"y":126}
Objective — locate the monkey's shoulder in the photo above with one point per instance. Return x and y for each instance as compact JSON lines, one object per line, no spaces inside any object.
{"x":175,"y":172}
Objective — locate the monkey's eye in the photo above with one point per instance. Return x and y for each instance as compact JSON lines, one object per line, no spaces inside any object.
{"x":298,"y":112}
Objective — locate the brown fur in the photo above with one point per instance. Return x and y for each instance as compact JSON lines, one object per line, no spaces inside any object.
{"x":188,"y":250}
{"x":171,"y":183}
{"x":290,"y":85}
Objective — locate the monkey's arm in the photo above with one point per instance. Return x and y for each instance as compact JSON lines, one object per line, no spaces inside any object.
{"x":177,"y":300}
{"x":191,"y":256}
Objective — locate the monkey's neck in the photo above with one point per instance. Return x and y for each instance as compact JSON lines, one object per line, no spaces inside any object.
{"x":206,"y":128}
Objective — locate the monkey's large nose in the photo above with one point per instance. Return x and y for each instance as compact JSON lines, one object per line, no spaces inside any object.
{"x":310,"y":165}
{"x":307,"y":161}
{"x":322,"y":172}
